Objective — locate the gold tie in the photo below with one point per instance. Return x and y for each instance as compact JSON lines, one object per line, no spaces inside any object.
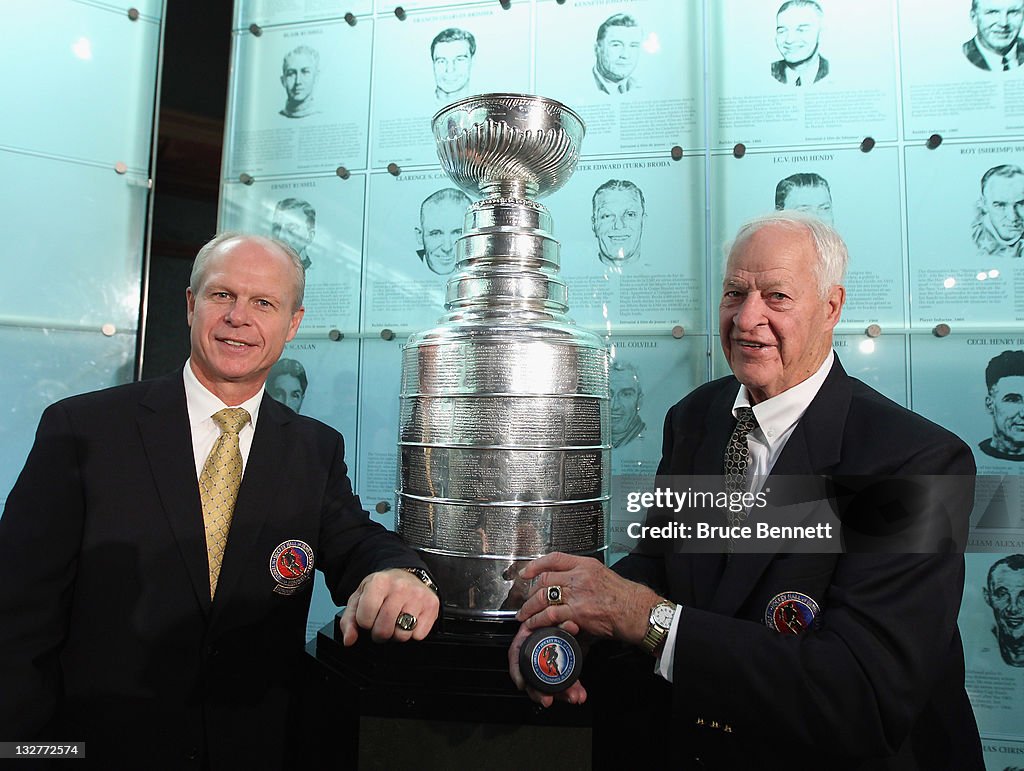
{"x":218,"y":486}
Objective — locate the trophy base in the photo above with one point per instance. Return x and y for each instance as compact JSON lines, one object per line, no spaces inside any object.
{"x":456,"y":628}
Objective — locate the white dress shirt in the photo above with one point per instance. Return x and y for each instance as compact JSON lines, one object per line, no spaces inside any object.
{"x":994,"y":60}
{"x":776,"y":419}
{"x":201,"y":407}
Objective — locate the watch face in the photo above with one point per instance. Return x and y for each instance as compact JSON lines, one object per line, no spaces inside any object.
{"x":662,"y":615}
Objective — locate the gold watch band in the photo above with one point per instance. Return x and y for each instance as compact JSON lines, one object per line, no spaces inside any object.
{"x":423,"y":576}
{"x":655,"y":636}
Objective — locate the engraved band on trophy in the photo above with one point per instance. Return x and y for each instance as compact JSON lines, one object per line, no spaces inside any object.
{"x":504,"y":438}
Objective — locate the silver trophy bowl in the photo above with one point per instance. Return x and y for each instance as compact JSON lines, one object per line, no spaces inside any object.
{"x":508,"y":144}
{"x":504,"y":439}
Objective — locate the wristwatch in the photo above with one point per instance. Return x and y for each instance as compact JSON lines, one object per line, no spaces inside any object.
{"x":658,"y":624}
{"x":423,"y":576}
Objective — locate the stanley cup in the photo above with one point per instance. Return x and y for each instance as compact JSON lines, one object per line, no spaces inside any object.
{"x":504,"y":442}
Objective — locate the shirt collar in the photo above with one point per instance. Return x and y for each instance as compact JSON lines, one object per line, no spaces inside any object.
{"x":995,"y":61}
{"x":202,"y":403}
{"x":612,"y":86}
{"x":778,"y":415}
{"x":812,"y":70}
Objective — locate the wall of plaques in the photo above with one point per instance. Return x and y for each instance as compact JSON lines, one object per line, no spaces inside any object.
{"x":75,"y":147}
{"x":889,"y":118}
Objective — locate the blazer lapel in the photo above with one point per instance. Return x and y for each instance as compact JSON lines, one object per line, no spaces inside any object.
{"x":816,"y":443}
{"x":813,"y":448}
{"x":262,"y":486}
{"x":167,"y":442}
{"x":709,"y":455}
{"x":709,"y":461}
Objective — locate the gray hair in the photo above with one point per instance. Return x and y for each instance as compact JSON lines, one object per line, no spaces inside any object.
{"x":829,"y":247}
{"x":199,"y":265}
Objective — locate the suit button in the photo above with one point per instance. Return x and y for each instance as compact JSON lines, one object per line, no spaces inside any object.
{"x":192,"y":754}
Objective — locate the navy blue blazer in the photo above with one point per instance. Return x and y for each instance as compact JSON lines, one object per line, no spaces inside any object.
{"x":880,"y":683}
{"x":109,"y":633}
{"x":974,"y":56}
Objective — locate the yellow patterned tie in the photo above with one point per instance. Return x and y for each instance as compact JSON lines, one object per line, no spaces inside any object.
{"x":218,"y":486}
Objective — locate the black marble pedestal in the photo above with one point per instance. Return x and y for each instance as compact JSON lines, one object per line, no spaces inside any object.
{"x":446,"y":702}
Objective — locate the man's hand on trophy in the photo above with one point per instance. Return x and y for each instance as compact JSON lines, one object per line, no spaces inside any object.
{"x":393,"y":604}
{"x":582,"y":590}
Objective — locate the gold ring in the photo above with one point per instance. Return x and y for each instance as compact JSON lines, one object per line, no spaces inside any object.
{"x":554,"y":595}
{"x":406,"y":622}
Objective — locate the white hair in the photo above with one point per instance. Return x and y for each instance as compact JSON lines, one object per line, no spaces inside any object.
{"x":830,"y":249}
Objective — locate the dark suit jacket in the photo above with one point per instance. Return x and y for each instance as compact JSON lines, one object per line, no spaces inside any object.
{"x":881,"y":683}
{"x":779,"y":70}
{"x":974,"y":56}
{"x":109,"y":635}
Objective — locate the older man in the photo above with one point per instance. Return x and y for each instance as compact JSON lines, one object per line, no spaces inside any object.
{"x":797,"y":36}
{"x":157,"y":551}
{"x":797,"y":660}
{"x":996,"y":46}
{"x":442,"y":216}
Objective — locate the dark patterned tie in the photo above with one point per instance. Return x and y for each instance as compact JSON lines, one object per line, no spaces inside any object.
{"x":218,"y":486}
{"x":1006,"y":64}
{"x":737,"y":454}
{"x":799,"y":82}
{"x":737,"y":461}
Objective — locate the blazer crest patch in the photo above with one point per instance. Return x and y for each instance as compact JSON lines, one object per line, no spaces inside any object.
{"x":291,"y":565}
{"x":792,"y":613}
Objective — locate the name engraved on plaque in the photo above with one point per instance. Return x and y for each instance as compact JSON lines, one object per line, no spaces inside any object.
{"x":495,"y":367}
{"x":504,"y":530}
{"x":508,"y":421}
